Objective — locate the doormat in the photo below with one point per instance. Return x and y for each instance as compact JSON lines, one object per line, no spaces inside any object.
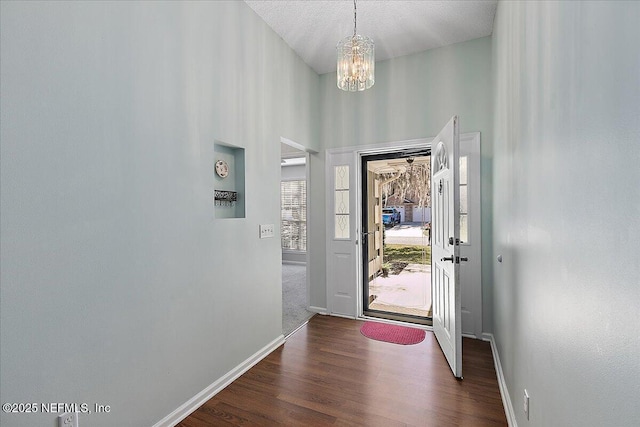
{"x":392,"y":333}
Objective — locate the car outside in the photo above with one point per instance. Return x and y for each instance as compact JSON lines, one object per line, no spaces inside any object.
{"x":390,"y":217}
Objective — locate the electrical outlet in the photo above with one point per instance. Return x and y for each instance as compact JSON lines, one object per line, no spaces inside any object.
{"x":526,"y":403}
{"x":266,"y":231}
{"x":68,"y":419}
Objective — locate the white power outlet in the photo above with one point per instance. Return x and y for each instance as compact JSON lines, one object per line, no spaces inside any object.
{"x":68,"y":419}
{"x":266,"y":231}
{"x":526,"y":403}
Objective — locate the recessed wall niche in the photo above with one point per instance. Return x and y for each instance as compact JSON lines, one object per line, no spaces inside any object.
{"x":228,"y":181}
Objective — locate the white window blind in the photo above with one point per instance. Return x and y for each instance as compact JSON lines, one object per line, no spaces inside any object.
{"x":293,"y":195}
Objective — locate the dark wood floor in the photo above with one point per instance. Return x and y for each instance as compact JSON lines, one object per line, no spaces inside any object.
{"x":327,"y":373}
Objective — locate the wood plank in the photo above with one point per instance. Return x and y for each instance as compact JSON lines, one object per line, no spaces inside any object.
{"x":328,"y":373}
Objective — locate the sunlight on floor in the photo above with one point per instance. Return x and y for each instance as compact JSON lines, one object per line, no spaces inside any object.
{"x":408,"y":292}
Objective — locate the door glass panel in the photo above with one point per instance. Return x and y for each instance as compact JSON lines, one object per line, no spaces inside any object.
{"x":341,"y":205}
{"x":342,"y":202}
{"x":342,"y":227}
{"x":342,"y":177}
{"x":464,"y":228}
{"x":463,"y":199}
{"x":463,"y":170}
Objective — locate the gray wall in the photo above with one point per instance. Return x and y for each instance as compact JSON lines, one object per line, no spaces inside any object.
{"x":414,"y":96}
{"x":117,"y":284}
{"x":567,"y":209}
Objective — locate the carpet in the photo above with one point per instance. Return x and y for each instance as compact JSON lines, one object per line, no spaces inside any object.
{"x":294,"y":297}
{"x":392,"y":333}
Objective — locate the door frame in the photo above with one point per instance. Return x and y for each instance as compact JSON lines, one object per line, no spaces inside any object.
{"x":420,"y":150}
{"x":307,"y":155}
{"x":357,"y":152}
{"x":360,"y":152}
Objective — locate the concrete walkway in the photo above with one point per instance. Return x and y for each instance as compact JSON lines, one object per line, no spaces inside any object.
{"x":411,"y":290}
{"x":407,"y":233}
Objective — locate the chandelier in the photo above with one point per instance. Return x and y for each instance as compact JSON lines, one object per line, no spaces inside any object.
{"x":356,"y":61}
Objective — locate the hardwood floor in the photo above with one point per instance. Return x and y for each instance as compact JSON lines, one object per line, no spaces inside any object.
{"x":327,"y":373}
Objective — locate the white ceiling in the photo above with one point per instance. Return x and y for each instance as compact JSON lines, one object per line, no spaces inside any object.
{"x":314,"y":27}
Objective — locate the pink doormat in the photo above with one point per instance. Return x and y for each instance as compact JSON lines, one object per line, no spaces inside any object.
{"x":392,"y":333}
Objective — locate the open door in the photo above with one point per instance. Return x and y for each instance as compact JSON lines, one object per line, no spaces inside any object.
{"x":445,"y":235}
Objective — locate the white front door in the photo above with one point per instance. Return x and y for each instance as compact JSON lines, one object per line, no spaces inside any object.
{"x":445,"y":238}
{"x":341,"y":235}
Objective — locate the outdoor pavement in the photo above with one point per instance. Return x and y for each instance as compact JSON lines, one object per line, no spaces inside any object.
{"x":410,"y":289}
{"x":406,"y":233}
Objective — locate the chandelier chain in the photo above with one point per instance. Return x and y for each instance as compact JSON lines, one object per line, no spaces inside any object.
{"x":355,"y":24}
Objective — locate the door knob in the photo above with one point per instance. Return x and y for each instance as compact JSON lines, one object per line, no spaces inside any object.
{"x":447,"y":258}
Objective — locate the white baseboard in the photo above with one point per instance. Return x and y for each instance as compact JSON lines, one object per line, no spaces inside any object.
{"x":343,"y":316}
{"x":319,"y":310}
{"x":504,"y":391}
{"x":184,"y":410}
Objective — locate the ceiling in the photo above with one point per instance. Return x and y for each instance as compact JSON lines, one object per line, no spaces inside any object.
{"x":288,"y":151}
{"x":396,"y":165}
{"x":313,"y":27}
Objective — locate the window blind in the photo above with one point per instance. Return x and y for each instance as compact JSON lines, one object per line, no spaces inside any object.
{"x":293,"y":195}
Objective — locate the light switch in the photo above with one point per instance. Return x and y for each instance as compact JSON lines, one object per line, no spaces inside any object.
{"x":266,"y":231}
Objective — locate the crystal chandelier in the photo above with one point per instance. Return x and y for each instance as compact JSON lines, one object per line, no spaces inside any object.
{"x":356,"y":61}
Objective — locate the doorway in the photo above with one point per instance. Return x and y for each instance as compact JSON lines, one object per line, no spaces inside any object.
{"x":294,"y":204}
{"x":396,"y":249}
{"x":344,"y":259}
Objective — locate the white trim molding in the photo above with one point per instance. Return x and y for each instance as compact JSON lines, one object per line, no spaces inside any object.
{"x":184,"y":410}
{"x":319,"y":310}
{"x":296,"y":145}
{"x":504,"y":391}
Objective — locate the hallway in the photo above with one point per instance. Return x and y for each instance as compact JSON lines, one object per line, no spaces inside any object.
{"x":328,"y":373}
